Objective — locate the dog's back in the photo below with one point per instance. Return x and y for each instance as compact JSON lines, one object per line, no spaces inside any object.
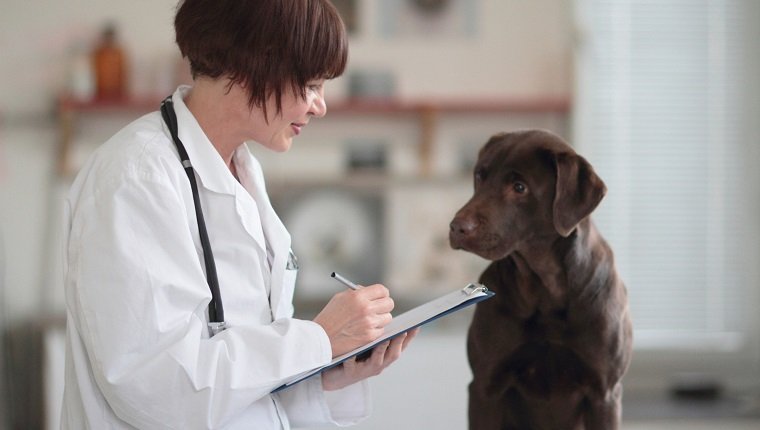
{"x":548,"y":352}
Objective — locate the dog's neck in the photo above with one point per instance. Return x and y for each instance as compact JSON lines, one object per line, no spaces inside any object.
{"x":548,"y":258}
{"x":548,"y":269}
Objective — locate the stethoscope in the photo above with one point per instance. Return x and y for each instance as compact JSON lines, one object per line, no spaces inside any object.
{"x":216,"y":321}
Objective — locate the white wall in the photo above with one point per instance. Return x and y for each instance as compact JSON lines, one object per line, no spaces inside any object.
{"x":520,"y":49}
{"x":37,"y":36}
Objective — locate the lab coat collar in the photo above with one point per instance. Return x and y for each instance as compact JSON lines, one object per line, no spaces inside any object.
{"x":211,"y":169}
{"x":214,"y":175}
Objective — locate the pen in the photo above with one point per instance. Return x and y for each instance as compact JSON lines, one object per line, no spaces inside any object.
{"x":344,"y":281}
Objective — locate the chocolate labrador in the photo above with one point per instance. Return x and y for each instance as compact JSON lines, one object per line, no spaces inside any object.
{"x":550,"y":349}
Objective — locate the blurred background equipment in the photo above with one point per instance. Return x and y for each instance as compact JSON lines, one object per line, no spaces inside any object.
{"x":334,"y":228}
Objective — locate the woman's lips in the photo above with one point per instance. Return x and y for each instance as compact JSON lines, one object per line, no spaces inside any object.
{"x":297,"y":127}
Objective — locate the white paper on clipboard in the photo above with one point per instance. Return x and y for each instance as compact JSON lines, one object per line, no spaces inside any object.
{"x":421,"y":315}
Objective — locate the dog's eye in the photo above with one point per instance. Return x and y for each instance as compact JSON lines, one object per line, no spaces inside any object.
{"x":480,"y":175}
{"x":520,"y":188}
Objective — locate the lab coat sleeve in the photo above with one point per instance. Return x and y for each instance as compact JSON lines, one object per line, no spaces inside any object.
{"x":307,"y":404}
{"x":138,"y":296}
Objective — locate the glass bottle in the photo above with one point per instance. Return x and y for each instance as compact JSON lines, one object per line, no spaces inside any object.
{"x":110,"y":66}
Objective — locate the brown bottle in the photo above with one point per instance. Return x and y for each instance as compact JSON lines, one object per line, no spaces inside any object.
{"x":110,"y":67}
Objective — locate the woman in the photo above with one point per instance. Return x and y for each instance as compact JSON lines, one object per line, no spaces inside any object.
{"x":139,"y":349}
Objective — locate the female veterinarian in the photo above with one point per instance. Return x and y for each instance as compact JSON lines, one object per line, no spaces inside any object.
{"x":149,"y":344}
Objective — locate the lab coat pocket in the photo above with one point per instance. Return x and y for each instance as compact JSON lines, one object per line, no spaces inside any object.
{"x":289,"y":283}
{"x":292,"y":261}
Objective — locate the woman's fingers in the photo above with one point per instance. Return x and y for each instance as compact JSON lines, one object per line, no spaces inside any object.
{"x":411,"y":334}
{"x":353,"y":370}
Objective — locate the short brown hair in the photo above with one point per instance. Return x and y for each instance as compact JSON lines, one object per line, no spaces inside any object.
{"x":262,"y":45}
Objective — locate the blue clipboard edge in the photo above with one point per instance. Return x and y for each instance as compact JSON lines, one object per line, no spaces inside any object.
{"x":487,"y":295}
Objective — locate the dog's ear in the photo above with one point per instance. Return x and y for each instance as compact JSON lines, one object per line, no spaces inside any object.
{"x":578,"y":191}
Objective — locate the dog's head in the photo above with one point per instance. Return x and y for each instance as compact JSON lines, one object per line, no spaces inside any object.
{"x":528,"y":185}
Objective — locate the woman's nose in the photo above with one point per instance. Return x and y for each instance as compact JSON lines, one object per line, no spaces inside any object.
{"x":318,"y":106}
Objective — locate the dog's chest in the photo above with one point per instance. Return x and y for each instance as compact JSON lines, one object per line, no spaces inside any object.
{"x":550,"y":325}
{"x":524,"y":308}
{"x":536,"y":353}
{"x":529,"y":340}
{"x":506,"y":331}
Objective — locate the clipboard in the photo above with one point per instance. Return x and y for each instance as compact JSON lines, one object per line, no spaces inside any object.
{"x":416,"y":317}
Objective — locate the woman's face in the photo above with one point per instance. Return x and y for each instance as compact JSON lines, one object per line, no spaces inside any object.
{"x":277,"y":134}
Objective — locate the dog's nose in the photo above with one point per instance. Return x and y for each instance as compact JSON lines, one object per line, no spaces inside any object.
{"x":463,"y":226}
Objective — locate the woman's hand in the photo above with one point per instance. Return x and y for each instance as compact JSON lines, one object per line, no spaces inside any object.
{"x":352,"y":371}
{"x":353,"y":318}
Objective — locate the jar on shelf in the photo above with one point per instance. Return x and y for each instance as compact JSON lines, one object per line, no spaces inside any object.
{"x":109,"y":63}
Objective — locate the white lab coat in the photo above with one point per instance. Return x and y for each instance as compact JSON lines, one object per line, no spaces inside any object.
{"x":138,"y":352}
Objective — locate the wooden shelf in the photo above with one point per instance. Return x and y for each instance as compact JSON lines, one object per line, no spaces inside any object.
{"x":559,"y":105}
{"x":427,"y":112}
{"x":133,"y":104}
{"x":69,"y":109}
{"x":358,"y":106}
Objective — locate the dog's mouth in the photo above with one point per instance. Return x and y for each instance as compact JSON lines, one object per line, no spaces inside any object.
{"x":489,"y":245}
{"x":473,"y":232}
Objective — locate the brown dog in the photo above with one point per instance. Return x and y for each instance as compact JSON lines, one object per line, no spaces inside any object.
{"x":549,"y":350}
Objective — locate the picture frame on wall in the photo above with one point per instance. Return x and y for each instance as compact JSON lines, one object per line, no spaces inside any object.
{"x":349,"y":11}
{"x":429,"y":18}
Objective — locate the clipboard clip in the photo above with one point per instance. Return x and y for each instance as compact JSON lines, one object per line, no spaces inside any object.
{"x":471,"y":289}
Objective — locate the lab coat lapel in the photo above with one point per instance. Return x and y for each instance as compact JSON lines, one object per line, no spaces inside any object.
{"x":280,"y":295}
{"x":211,"y":170}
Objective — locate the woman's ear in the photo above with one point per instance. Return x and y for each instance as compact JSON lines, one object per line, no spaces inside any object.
{"x":578,"y":191}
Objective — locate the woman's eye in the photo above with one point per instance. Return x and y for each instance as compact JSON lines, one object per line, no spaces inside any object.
{"x":520,"y":188}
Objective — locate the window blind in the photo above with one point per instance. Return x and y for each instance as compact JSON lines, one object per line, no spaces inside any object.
{"x":661,"y":98}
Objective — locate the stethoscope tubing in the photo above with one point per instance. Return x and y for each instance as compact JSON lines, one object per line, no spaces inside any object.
{"x":215,"y":307}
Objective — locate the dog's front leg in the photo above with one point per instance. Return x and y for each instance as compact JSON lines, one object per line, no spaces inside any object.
{"x":604,"y":412}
